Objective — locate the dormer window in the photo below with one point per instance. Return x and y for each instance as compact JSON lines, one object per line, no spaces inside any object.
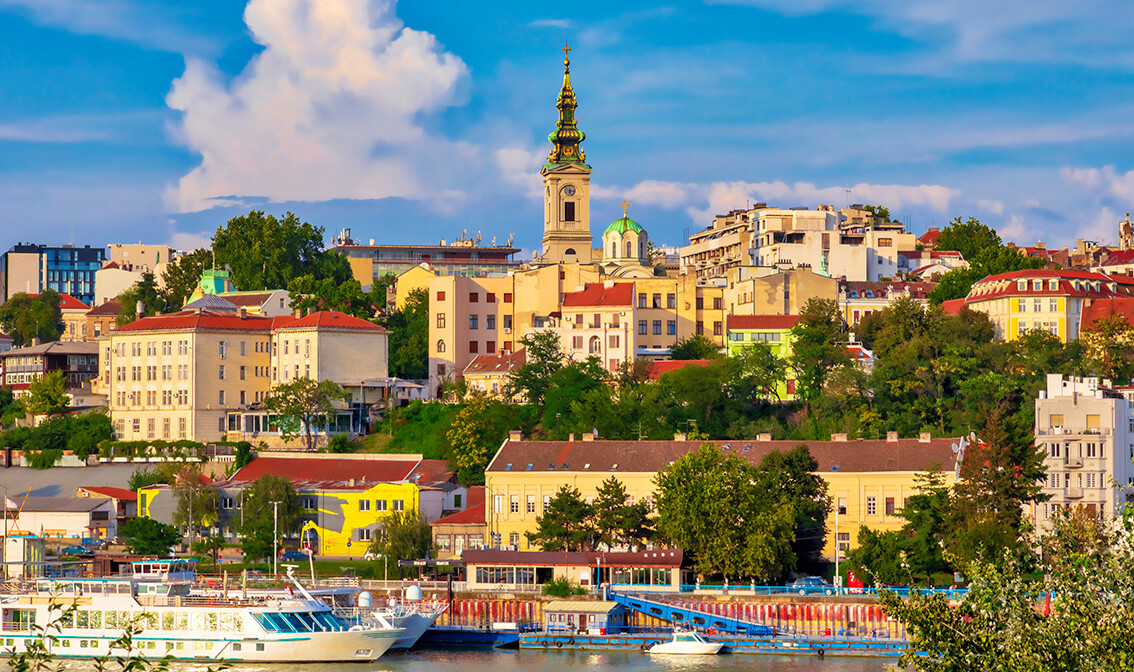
{"x":1022,"y":285}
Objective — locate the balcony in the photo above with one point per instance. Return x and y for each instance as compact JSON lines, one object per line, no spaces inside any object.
{"x":1074,"y":493}
{"x":1074,"y":463}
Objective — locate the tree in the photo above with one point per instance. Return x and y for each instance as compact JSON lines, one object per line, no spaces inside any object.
{"x":256,"y":540}
{"x":309,"y":294}
{"x":818,"y":346}
{"x":28,"y":318}
{"x":1073,"y":612}
{"x":210,"y":546}
{"x":719,"y":511}
{"x":146,"y":536}
{"x":542,"y":358}
{"x":144,"y":478}
{"x":565,"y":524}
{"x":87,"y":431}
{"x":241,"y":455}
{"x":880,"y":211}
{"x":197,"y":498}
{"x":565,"y":386}
{"x":404,"y":535}
{"x":47,"y":395}
{"x":268,"y":253}
{"x":181,"y":277}
{"x":755,"y":373}
{"x":409,"y":333}
{"x":793,"y":475}
{"x":969,"y":238}
{"x":956,"y":283}
{"x":146,"y":292}
{"x":697,"y":346}
{"x":617,"y":522}
{"x":1107,"y":342}
{"x":476,"y":433}
{"x":302,"y":405}
{"x":258,"y":510}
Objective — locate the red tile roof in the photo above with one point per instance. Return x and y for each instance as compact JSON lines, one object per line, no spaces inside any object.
{"x":68,"y":302}
{"x":1119,"y":258}
{"x":113,"y":493}
{"x":1100,"y":308}
{"x":192,"y":319}
{"x":599,"y":294}
{"x":432,"y":472}
{"x":1065,"y":285}
{"x":331,"y":472}
{"x":111,"y":307}
{"x":474,"y":515}
{"x":496,"y":363}
{"x":929,"y":238}
{"x":330,"y":319}
{"x":855,"y":456}
{"x":762,"y":321}
{"x":660,"y":366}
{"x":253,"y":299}
{"x":952,"y":306}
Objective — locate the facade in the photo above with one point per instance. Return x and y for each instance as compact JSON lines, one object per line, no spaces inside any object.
{"x":774,"y":290}
{"x":66,"y":269}
{"x":67,"y":517}
{"x":492,"y":374}
{"x":772,"y":330}
{"x":503,"y":569}
{"x":74,"y":314}
{"x":869,"y":479}
{"x":103,"y":319}
{"x":77,"y":360}
{"x":722,"y":246}
{"x":463,"y":530}
{"x":859,"y":299}
{"x":1086,"y":432}
{"x":125,"y":502}
{"x":461,"y":257}
{"x":468,"y":317}
{"x":1052,"y":300}
{"x":599,"y":322}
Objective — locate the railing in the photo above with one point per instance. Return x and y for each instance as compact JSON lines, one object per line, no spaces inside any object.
{"x":743,"y":590}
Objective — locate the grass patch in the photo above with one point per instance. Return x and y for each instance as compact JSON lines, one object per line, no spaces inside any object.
{"x":417,"y":428}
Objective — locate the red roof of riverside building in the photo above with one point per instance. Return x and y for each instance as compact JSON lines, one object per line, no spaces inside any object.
{"x":602,"y":294}
{"x":474,"y":512}
{"x":762,"y":321}
{"x":660,"y":366}
{"x":113,"y":493}
{"x":339,"y":472}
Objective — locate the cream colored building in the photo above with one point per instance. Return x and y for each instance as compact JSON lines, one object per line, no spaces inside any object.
{"x":1086,"y":432}
{"x":467,"y":317}
{"x":763,"y":290}
{"x":492,"y":374}
{"x":868,"y":479}
{"x":723,"y":246}
{"x":599,"y":322}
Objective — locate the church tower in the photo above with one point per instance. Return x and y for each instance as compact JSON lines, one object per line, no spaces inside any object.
{"x":566,"y":185}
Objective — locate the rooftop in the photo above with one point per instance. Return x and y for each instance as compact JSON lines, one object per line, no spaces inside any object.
{"x":496,"y":363}
{"x":54,"y":348}
{"x":331,"y":472}
{"x":111,"y":492}
{"x":658,"y":367}
{"x":762,"y":321}
{"x":601,"y":294}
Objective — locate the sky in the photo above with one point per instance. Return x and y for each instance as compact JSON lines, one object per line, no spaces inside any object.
{"x":158,"y":120}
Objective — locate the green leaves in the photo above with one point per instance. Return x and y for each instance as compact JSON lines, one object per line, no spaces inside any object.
{"x":268,"y":253}
{"x":303,"y":404}
{"x":26,"y":318}
{"x":146,"y":536}
{"x":565,"y":524}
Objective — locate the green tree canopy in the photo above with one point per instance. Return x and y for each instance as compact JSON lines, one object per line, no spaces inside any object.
{"x":26,"y":318}
{"x":404,"y":535}
{"x":565,"y":524}
{"x":181,"y":277}
{"x":818,"y":346}
{"x":309,"y":294}
{"x":617,"y":522}
{"x":146,"y":292}
{"x":257,"y":508}
{"x":303,"y":405}
{"x":697,"y":346}
{"x":268,"y":253}
{"x":197,"y":499}
{"x":968,"y":237}
{"x":47,"y":395}
{"x":409,"y":333}
{"x":146,"y":536}
{"x":480,"y":427}
{"x":793,"y":475}
{"x":543,"y":357}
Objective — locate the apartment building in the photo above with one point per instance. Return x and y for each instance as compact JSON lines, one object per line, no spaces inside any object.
{"x":468,"y":317}
{"x":66,"y":269}
{"x":775,"y":290}
{"x":600,"y":322}
{"x":465,"y":257}
{"x":720,"y":247}
{"x":771,"y":330}
{"x":74,"y":314}
{"x":859,"y":299}
{"x":1052,"y":300}
{"x":1085,"y":430}
{"x":76,"y":360}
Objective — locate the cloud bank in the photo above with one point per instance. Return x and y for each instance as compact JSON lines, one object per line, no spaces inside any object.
{"x":331,"y":108}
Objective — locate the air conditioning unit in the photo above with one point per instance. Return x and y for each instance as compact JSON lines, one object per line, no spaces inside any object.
{"x":507,"y":330}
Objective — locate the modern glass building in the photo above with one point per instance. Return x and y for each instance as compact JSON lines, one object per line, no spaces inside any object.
{"x":67,"y":269}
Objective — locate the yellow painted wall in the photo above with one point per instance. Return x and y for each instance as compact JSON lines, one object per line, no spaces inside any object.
{"x":332,"y":538}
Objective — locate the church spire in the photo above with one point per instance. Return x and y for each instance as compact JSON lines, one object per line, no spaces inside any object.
{"x":566,"y":139}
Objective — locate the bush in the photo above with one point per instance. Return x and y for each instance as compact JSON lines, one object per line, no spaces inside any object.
{"x":339,"y":443}
{"x":562,"y":587}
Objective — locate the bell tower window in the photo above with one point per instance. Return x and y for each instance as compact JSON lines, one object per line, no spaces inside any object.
{"x":569,"y":211}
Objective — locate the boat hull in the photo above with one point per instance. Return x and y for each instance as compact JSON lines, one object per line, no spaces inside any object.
{"x":687,"y":648}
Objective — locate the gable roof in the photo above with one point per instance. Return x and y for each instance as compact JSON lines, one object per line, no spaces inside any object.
{"x":247,"y":299}
{"x":55,"y":348}
{"x":601,"y":294}
{"x":1118,"y":258}
{"x":332,"y":472}
{"x":112,"y":308}
{"x":1100,"y":308}
{"x":859,"y":455}
{"x":212,"y":302}
{"x":113,"y":493}
{"x":68,"y":302}
{"x":432,"y":472}
{"x":496,"y":363}
{"x":194,"y":319}
{"x":762,"y":321}
{"x":330,"y":319}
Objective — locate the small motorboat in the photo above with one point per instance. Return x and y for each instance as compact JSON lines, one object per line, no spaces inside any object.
{"x":687,"y":643}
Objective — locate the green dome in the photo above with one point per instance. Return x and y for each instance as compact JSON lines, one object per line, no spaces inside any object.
{"x":623,"y":225}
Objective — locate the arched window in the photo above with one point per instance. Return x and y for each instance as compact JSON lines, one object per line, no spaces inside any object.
{"x":613,"y":250}
{"x":440,"y":346}
{"x":596,"y":345}
{"x":642,"y":250}
{"x":569,"y":250}
{"x":629,"y":249}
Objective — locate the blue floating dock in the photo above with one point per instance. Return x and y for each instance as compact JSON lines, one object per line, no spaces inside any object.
{"x":452,"y":636}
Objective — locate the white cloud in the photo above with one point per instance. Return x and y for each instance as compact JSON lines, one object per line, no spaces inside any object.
{"x":329,"y":109}
{"x":139,"y":23}
{"x":653,"y":193}
{"x":992,"y":206}
{"x":565,"y":24}
{"x":1103,"y":182}
{"x":1088,"y":31}
{"x":188,"y":241}
{"x":48,"y":131}
{"x":520,"y":166}
{"x":1014,"y":229}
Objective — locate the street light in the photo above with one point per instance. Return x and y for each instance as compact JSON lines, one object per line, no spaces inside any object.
{"x":275,"y":535}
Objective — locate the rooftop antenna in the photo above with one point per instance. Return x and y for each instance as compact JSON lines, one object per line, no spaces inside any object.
{"x":846,"y":200}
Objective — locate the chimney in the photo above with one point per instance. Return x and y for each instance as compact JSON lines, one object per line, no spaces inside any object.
{"x":571,"y":436}
{"x":680,"y":436}
{"x":767,"y":436}
{"x":891,"y":437}
{"x":515,"y":435}
{"x":243,"y":313}
{"x":352,"y":482}
{"x":924,"y":437}
{"x":588,"y":436}
{"x":838,"y":437}
{"x":139,"y":309}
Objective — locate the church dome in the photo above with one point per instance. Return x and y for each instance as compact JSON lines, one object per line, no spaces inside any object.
{"x":623,"y":225}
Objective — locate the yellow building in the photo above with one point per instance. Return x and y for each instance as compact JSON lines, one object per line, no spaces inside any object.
{"x":869,"y":480}
{"x":1051,"y":300}
{"x":492,"y":374}
{"x":468,"y":317}
{"x":773,"y":290}
{"x":859,"y":299}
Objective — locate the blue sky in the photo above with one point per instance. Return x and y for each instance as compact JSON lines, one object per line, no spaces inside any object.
{"x":157,"y":120}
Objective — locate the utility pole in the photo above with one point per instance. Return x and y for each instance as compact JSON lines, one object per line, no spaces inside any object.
{"x":275,"y":535}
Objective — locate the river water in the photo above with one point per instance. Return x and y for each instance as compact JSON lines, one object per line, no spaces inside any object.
{"x":566,"y":661}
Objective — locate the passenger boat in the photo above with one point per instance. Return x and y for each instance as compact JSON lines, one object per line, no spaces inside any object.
{"x":687,"y":643}
{"x":93,"y":612}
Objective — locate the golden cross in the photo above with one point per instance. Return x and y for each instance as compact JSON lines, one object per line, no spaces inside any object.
{"x":566,"y":52}
{"x":624,"y":205}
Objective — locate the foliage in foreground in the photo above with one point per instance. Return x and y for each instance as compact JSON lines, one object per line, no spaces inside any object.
{"x":1078,"y":616}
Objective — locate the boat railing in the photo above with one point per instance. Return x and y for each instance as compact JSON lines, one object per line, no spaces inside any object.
{"x":198,"y":601}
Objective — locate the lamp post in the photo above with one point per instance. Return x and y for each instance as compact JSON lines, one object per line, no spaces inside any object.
{"x":838,"y":577}
{"x":275,"y":535}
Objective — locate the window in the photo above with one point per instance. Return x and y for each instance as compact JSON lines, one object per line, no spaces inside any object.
{"x":243,"y":372}
{"x":220,"y":397}
{"x":1092,"y":421}
{"x":440,"y":346}
{"x":671,"y":327}
{"x":871,"y":506}
{"x":531,"y":504}
{"x":490,"y":347}
{"x":514,"y":539}
{"x":490,"y":297}
{"x":595,"y":345}
{"x":717,"y":303}
{"x":221,"y":373}
{"x":700,"y":328}
{"x":656,"y":303}
{"x":363,"y":534}
{"x":613,"y":341}
{"x":657,"y":327}
{"x":889,"y":506}
{"x":457,"y":500}
{"x":364,"y":505}
{"x":474,"y":347}
{"x":1037,"y":306}
{"x":243,"y":348}
{"x":885,"y":242}
{"x":569,"y":211}
{"x":474,"y":297}
{"x":443,"y":543}
{"x":843,"y":541}
{"x":670,"y":300}
{"x":440,"y":320}
{"x":490,"y":321}
{"x":514,"y":504}
{"x":1056,"y":420}
{"x":1022,"y":305}
{"x":223,"y":349}
{"x":641,"y":300}
{"x":1053,"y":305}
{"x":507,"y":321}
{"x":718,"y":328}
{"x":507,"y":297}
{"x":379,"y":505}
{"x":643,"y":327}
{"x":473,"y":321}
{"x":576,"y":342}
{"x":399,"y":505}
{"x":1055,"y":450}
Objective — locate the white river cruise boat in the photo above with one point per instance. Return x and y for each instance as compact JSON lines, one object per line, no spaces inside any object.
{"x":296,"y":628}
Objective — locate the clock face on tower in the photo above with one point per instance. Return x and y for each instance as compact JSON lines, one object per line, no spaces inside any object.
{"x":569,"y":190}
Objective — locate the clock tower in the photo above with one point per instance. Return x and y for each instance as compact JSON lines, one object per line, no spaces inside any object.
{"x":566,"y":185}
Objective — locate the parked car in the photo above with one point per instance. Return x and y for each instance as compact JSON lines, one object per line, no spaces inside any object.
{"x":94,"y":544}
{"x":811,"y":585}
{"x":293,"y":555}
{"x":74,"y":550}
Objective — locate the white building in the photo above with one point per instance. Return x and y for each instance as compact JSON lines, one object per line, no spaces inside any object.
{"x":1086,"y":431}
{"x":64,"y":517}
